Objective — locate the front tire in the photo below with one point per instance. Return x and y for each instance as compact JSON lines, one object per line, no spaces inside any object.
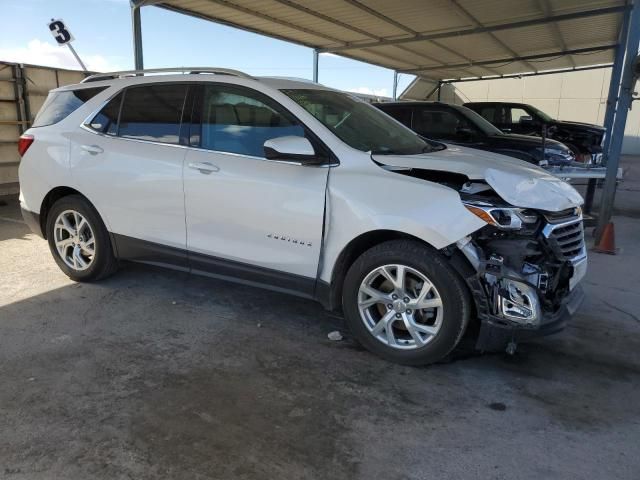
{"x":79,"y":241}
{"x":405,"y":303}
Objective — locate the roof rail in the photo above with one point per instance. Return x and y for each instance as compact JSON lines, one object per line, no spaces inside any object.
{"x":185,"y":70}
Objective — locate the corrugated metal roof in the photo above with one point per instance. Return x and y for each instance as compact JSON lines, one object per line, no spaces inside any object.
{"x":434,"y":39}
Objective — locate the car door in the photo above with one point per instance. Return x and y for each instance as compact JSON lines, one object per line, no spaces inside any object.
{"x":249,"y":217}
{"x":127,"y":161}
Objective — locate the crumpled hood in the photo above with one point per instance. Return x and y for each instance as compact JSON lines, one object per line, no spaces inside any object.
{"x":519,"y":183}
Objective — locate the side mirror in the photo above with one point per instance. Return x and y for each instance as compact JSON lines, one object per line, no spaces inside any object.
{"x":291,"y":149}
{"x":526,"y":120}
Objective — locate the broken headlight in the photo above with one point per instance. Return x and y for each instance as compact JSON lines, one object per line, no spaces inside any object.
{"x":504,"y":218}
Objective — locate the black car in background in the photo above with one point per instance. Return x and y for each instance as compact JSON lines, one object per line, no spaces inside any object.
{"x":584,"y":139}
{"x":461,"y":126}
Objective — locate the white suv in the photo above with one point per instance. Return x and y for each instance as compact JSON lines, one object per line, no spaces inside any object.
{"x":292,"y":186}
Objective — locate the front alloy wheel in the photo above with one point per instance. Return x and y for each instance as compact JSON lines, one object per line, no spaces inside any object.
{"x":400,"y":306}
{"x":404,"y":301}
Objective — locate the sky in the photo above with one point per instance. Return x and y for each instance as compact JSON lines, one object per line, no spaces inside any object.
{"x":102,"y":32}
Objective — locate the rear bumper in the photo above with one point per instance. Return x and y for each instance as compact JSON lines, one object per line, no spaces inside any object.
{"x":496,"y":334}
{"x":32,"y":220}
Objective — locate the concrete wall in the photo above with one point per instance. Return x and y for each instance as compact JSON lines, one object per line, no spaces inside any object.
{"x":578,"y":96}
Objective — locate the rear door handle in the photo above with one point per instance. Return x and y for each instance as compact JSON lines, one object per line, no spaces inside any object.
{"x":92,"y":149}
{"x":204,"y":167}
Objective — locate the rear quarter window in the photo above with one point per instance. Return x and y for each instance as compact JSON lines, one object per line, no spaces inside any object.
{"x":59,"y":105}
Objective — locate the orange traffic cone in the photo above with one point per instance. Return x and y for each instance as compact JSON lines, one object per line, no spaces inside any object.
{"x":607,"y":241}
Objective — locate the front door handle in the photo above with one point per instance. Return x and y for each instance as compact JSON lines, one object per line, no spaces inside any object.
{"x":92,"y":149}
{"x":204,"y":167}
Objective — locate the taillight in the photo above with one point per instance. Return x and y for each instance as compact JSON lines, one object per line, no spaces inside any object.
{"x":24,"y":142}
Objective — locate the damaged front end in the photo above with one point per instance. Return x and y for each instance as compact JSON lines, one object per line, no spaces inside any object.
{"x":524,"y":265}
{"x":527,"y":267}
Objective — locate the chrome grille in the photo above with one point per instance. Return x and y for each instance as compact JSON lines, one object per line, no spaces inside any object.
{"x":566,"y":239}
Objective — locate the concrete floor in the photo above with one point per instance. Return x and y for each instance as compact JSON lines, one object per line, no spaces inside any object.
{"x":156,"y":374}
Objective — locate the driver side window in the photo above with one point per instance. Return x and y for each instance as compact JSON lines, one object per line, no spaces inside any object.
{"x":237,"y":120}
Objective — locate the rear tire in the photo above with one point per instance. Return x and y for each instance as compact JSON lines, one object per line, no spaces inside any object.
{"x":417,"y":324}
{"x":79,"y":241}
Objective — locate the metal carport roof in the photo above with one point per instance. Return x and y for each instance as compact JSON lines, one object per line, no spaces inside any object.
{"x":433,"y":39}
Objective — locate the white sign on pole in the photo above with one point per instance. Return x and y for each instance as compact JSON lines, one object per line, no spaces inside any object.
{"x":60,"y":31}
{"x":63,"y":36}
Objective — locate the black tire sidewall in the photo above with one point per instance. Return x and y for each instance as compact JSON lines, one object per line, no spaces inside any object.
{"x":102,"y":242}
{"x":453,"y":291}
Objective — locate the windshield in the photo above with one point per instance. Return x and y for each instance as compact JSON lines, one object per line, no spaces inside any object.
{"x":479,"y":121}
{"x":541,"y":114}
{"x":359,"y":124}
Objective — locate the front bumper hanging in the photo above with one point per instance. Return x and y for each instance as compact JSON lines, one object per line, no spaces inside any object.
{"x":495,"y":333}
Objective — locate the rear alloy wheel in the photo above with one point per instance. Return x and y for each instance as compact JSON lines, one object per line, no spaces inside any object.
{"x":403,"y":301}
{"x":79,"y":241}
{"x":74,"y":239}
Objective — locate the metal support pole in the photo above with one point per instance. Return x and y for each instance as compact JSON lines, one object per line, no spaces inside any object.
{"x":439,"y":90}
{"x":614,"y":83}
{"x":612,"y":99}
{"x":19,"y":95}
{"x":625,"y":97}
{"x":137,"y":37}
{"x":316,"y":56}
{"x":395,"y":84}
{"x":75,"y":54}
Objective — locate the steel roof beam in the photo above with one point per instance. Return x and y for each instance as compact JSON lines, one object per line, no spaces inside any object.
{"x":390,"y":21}
{"x":463,"y":11}
{"x":346,"y":26}
{"x":484,"y":29}
{"x":546,"y":9}
{"x":575,"y":51}
{"x":530,"y":74}
{"x":269,"y":18}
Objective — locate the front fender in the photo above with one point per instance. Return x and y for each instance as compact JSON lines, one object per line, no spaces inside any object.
{"x":358,"y":203}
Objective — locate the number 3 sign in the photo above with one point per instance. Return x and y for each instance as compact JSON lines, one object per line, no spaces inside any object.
{"x":60,"y":32}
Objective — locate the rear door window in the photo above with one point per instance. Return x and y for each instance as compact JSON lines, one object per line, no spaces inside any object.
{"x":490,"y":114}
{"x":238,"y":120}
{"x":59,"y":105}
{"x":152,"y":112}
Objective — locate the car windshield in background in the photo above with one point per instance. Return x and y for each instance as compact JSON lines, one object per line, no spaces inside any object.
{"x":359,"y":124}
{"x":479,"y":121}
